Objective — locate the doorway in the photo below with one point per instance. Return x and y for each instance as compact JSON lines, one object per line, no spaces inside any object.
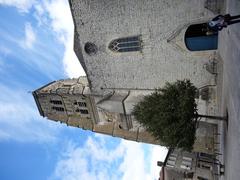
{"x":198,"y":38}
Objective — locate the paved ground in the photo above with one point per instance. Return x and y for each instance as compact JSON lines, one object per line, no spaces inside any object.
{"x":229,"y":50}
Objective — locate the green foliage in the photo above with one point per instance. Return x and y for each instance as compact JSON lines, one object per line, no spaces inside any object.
{"x":169,"y":114}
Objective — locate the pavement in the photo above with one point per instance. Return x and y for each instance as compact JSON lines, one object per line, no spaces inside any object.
{"x":229,"y":51}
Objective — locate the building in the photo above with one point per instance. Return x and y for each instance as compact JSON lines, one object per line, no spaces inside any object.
{"x":138,"y":44}
{"x":71,"y":101}
{"x":183,"y":165}
{"x":132,"y":47}
{"x":127,"y":49}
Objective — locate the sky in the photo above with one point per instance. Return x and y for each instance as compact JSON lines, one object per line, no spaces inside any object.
{"x":36,"y":47}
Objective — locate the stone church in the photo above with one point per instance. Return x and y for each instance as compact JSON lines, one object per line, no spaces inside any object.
{"x":127,"y":49}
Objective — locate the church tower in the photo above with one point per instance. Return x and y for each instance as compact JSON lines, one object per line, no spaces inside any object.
{"x":70,"y":101}
{"x":67,"y":101}
{"x":127,"y":50}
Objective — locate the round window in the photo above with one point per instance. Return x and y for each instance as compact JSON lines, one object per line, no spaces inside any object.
{"x":90,"y":48}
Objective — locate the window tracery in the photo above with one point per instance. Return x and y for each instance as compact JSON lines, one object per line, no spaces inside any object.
{"x":127,"y":44}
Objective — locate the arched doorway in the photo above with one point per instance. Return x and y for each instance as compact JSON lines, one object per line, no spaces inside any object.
{"x":197,"y":38}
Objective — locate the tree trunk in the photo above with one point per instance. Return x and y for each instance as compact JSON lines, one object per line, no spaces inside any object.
{"x":212,"y":117}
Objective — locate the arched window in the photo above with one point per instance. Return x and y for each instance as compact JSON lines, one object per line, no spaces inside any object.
{"x":126,"y":44}
{"x":198,"y":38}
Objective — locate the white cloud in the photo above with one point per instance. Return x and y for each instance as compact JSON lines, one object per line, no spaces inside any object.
{"x":29,"y":38}
{"x":96,"y":160}
{"x":20,"y":121}
{"x":71,"y":64}
{"x":61,"y":21}
{"x":134,"y":165}
{"x":62,"y":24}
{"x":22,"y":5}
{"x":57,"y":15}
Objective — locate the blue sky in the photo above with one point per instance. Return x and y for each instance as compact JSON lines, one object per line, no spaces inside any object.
{"x":36,"y":39}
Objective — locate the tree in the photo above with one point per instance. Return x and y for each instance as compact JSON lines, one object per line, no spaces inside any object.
{"x":170,"y":114}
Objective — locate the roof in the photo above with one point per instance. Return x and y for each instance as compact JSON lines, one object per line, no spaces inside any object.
{"x":35,"y":95}
{"x":77,"y":45}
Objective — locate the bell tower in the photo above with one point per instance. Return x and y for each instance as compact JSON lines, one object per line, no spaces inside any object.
{"x":71,"y":102}
{"x":68,"y":101}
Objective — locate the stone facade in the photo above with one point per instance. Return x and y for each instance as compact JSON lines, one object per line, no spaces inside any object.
{"x":206,"y":138}
{"x":161,"y":26}
{"x":116,"y":80}
{"x":70,"y":101}
{"x":183,"y":165}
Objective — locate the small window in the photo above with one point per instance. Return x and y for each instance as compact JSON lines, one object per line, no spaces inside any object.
{"x":58,"y":108}
{"x":90,"y":48}
{"x":81,"y":104}
{"x":187,"y":158}
{"x":174,"y":155}
{"x":67,"y":85}
{"x":205,"y":155}
{"x":185,"y":167}
{"x":206,"y":166}
{"x":187,"y":163}
{"x":82,"y":111}
{"x":169,"y":165}
{"x":201,"y":178}
{"x":126,"y":44}
{"x":172,"y":158}
{"x":171,"y":162}
{"x":55,"y":102}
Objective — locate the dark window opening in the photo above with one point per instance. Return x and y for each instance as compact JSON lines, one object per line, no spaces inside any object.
{"x":82,"y":111}
{"x":199,"y":38}
{"x":126,"y":44}
{"x":210,"y":156}
{"x":206,"y":167}
{"x":90,"y":48}
{"x":58,"y":108}
{"x":67,"y":85}
{"x":201,"y":178}
{"x":55,"y":101}
{"x":81,"y":104}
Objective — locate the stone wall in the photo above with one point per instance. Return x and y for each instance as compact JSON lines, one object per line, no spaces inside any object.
{"x":100,"y":22}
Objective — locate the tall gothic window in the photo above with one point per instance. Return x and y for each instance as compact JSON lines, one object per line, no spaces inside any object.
{"x":126,"y":44}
